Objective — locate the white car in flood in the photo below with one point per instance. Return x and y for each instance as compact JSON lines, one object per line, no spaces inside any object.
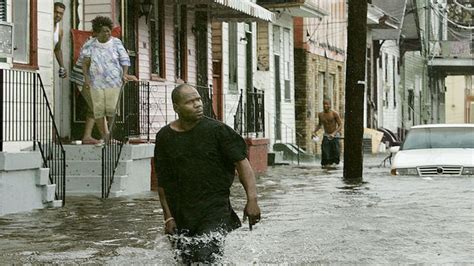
{"x":437,"y":149}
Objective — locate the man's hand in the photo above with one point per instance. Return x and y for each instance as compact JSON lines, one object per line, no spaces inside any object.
{"x":62,"y":72}
{"x":170,"y":227}
{"x":252,"y":212}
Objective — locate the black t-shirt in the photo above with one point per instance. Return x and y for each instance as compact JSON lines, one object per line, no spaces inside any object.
{"x":196,"y":170}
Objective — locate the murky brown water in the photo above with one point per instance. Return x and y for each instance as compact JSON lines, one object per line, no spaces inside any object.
{"x":309,"y":216}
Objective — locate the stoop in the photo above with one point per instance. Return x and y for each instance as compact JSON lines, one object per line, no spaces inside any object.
{"x":84,"y":170}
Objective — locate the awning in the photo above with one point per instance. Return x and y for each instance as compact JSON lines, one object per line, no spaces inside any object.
{"x":234,"y":10}
{"x":394,"y":11}
{"x":301,"y":8}
{"x":248,"y":8}
{"x":378,"y":19}
{"x":410,"y":33}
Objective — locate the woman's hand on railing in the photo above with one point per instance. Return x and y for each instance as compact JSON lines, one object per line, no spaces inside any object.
{"x":87,"y":81}
{"x":127,"y":77}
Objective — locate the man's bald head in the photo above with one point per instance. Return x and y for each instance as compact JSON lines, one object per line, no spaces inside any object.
{"x":177,"y":92}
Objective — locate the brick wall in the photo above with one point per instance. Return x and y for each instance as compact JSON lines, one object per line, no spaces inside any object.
{"x":258,"y":154}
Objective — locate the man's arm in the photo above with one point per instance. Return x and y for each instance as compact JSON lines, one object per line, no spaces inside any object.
{"x":318,"y":126}
{"x":338,"y":122}
{"x":170,"y":225}
{"x":247,"y":178}
{"x":59,"y":54}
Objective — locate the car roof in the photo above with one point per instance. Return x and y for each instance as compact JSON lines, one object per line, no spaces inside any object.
{"x":444,"y":126}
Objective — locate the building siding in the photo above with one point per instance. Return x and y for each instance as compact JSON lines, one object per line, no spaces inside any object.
{"x":412,"y":71}
{"x":389,"y":110}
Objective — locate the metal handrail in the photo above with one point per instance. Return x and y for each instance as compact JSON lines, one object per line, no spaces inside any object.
{"x":238,"y":117}
{"x":253,"y":114}
{"x":27,"y":115}
{"x":293,"y":136}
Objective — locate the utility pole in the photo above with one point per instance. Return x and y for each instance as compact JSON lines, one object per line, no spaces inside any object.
{"x":355,"y":87}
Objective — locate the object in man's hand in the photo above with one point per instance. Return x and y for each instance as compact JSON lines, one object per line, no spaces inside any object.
{"x":62,"y":72}
{"x":315,"y":139}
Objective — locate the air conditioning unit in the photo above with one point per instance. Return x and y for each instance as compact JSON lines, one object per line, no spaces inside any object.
{"x":6,"y":39}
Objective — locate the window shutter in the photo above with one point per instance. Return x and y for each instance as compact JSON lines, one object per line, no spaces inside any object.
{"x":3,"y":10}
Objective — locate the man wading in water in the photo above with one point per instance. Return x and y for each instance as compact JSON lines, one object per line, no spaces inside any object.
{"x":195,"y":159}
{"x":332,"y":124}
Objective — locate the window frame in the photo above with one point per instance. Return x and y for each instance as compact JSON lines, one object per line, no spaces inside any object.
{"x":181,"y":43}
{"x":33,"y":35}
{"x":233,"y":57}
{"x":394,"y":80}
{"x":157,"y":39}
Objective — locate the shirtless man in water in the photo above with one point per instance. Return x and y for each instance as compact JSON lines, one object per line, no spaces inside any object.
{"x":332,"y":124}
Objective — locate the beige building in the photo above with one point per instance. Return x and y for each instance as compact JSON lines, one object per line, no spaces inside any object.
{"x":459,"y":101}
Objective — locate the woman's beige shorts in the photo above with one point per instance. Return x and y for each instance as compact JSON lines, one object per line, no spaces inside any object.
{"x":104,"y":101}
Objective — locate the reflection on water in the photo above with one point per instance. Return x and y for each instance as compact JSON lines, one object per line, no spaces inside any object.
{"x":309,"y":215}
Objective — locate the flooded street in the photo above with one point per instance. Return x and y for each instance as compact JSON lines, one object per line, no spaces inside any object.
{"x":309,"y":215}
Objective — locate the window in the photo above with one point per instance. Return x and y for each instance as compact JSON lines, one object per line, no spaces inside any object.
{"x":276,"y":40}
{"x":411,"y":104}
{"x":3,"y":10}
{"x":263,"y":57}
{"x":394,"y":77}
{"x":386,"y":67}
{"x":321,"y":81}
{"x":181,"y":44}
{"x":331,"y":83}
{"x":25,"y":34}
{"x":286,"y":63}
{"x":233,"y":57}
{"x":157,"y":37}
{"x":5,"y":45}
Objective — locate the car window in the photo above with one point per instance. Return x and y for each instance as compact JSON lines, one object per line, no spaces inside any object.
{"x":432,"y":138}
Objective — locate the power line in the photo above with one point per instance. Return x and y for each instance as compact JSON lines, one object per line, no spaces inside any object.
{"x":463,"y":6}
{"x":447,"y":19}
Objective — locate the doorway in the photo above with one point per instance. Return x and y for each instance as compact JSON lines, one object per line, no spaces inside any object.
{"x":125,"y":15}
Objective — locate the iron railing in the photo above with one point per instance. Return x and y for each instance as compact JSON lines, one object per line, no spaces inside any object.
{"x":255,"y":118}
{"x":288,"y":136}
{"x":206,"y":97}
{"x":239,"y":117}
{"x":253,"y":114}
{"x":27,"y":122}
{"x":130,"y":122}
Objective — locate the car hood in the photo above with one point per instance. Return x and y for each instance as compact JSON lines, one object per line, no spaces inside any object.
{"x":433,"y":157}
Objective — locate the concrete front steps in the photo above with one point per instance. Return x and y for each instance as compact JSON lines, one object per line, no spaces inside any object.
{"x":24,"y":184}
{"x":84,"y":170}
{"x":292,"y":153}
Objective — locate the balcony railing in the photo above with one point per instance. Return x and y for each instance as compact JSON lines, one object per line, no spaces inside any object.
{"x":452,"y":49}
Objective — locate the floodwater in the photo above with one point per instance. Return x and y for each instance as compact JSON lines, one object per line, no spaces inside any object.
{"x":309,"y":215}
